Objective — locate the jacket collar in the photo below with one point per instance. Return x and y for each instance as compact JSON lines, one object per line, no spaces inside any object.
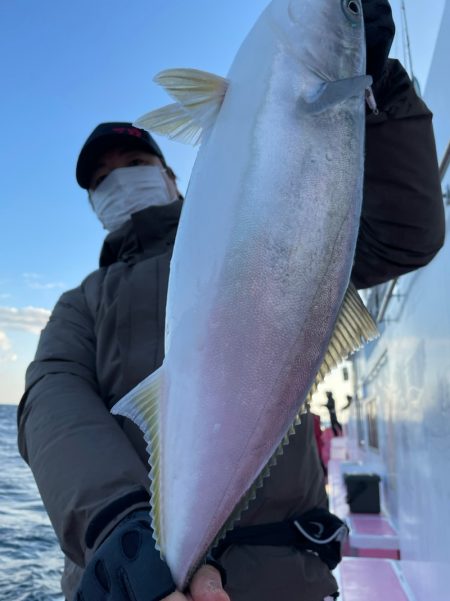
{"x":149,"y":232}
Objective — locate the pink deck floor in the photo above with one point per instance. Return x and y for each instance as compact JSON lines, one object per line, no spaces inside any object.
{"x":365,"y":579}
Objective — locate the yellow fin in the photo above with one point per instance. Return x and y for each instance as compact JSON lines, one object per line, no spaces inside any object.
{"x":354,"y":327}
{"x":199,"y":96}
{"x":192,"y":87}
{"x":250,"y":495}
{"x":173,"y":122}
{"x":141,"y":405}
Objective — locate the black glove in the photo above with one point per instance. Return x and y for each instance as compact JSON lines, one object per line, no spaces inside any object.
{"x":380,"y":31}
{"x":126,"y":566}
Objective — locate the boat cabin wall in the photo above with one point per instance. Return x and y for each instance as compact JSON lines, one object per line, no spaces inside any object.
{"x":400,"y":423}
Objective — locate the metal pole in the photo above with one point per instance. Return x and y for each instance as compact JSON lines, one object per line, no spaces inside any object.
{"x":407,"y":48}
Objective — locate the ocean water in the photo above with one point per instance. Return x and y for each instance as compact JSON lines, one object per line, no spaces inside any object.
{"x":30,"y":558}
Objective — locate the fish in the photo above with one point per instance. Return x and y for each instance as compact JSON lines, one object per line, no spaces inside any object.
{"x":260,"y":306}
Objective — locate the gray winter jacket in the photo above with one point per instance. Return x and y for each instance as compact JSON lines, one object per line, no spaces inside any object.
{"x":106,"y":335}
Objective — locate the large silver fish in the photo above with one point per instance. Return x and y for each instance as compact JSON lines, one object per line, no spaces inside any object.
{"x":259,"y":308}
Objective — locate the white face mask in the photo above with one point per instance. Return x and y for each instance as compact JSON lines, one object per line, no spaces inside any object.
{"x":127,"y":190}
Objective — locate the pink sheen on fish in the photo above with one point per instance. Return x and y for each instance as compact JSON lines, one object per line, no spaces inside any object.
{"x":258,"y":307}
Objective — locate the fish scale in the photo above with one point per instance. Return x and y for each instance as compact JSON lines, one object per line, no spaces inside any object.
{"x":259,"y":306}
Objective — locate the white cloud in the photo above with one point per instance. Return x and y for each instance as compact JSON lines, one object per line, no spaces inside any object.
{"x":6,"y":353}
{"x":5,"y":343}
{"x":27,"y":319}
{"x":35,"y":281}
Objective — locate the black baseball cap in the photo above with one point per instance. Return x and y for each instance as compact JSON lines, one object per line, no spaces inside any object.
{"x":106,"y":136}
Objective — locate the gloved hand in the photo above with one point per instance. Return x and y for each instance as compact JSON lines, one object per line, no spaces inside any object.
{"x":380,"y":31}
{"x":127,"y":567}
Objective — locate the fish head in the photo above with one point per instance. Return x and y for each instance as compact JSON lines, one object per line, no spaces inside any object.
{"x":325,"y":37}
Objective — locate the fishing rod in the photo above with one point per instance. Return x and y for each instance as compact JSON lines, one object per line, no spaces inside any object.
{"x":407,"y":51}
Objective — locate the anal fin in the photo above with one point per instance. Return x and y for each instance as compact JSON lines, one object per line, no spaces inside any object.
{"x":354,"y":326}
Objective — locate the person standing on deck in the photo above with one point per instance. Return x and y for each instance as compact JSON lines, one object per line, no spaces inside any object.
{"x":106,"y":335}
{"x":331,"y":406}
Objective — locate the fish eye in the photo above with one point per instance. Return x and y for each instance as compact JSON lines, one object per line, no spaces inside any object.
{"x":352,"y":8}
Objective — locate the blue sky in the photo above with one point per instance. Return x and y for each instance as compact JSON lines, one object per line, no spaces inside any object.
{"x":65,"y":68}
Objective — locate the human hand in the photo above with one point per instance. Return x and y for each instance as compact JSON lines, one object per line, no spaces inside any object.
{"x":206,"y":585}
{"x":380,"y":31}
{"x":127,"y":567}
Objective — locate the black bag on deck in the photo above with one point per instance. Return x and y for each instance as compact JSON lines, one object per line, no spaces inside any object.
{"x":363,"y":492}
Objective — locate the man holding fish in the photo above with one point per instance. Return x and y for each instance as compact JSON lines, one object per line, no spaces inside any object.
{"x":256,"y":310}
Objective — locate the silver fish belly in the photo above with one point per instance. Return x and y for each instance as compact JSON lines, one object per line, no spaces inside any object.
{"x":258,"y":306}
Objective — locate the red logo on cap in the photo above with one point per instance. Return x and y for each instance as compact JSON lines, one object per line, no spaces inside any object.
{"x":131,"y":131}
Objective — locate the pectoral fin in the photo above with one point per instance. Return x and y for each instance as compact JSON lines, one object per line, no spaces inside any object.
{"x":331,"y":93}
{"x":199,"y":96}
{"x":142,"y":406}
